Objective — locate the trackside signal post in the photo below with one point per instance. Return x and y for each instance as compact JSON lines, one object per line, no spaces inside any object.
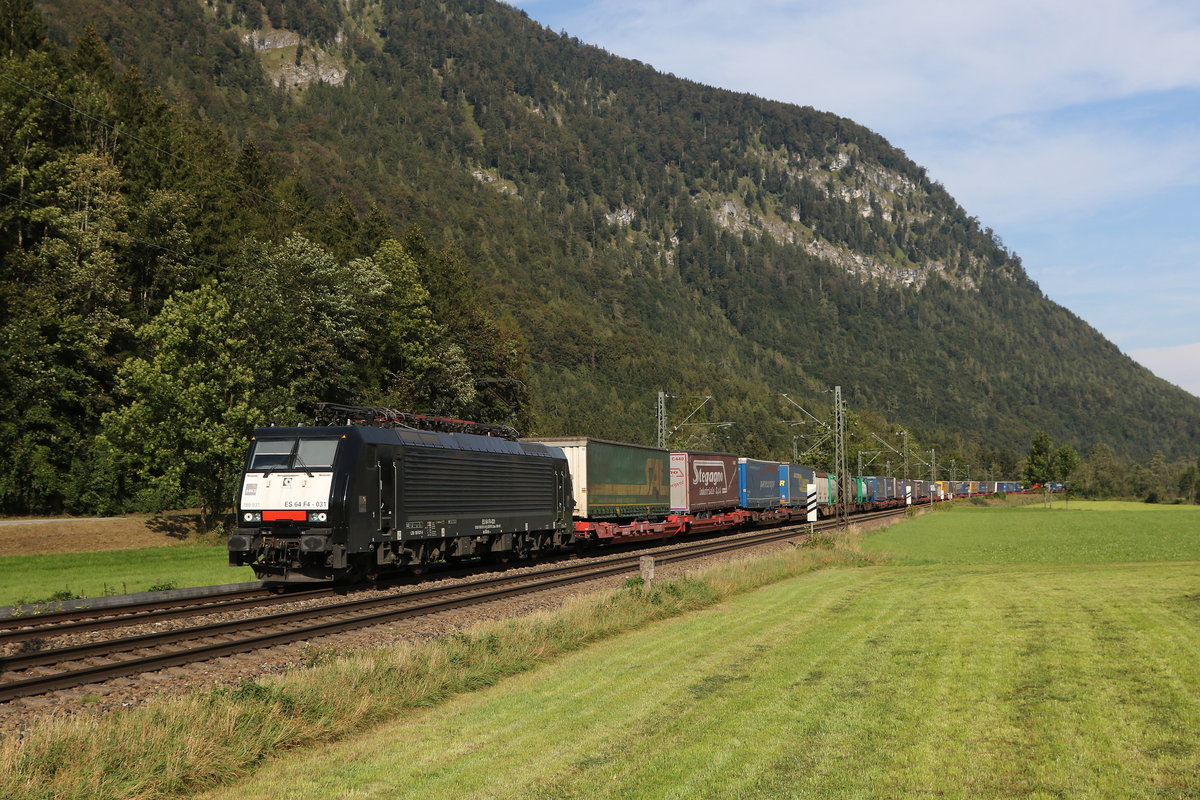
{"x":843,"y":475}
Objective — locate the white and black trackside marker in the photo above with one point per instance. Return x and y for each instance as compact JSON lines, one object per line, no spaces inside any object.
{"x":812,"y":502}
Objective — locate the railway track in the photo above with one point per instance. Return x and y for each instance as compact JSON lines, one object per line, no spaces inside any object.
{"x":58,"y":623}
{"x":32,"y":673}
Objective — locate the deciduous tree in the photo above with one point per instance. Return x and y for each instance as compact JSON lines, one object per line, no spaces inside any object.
{"x":188,"y":404}
{"x":1039,"y":466}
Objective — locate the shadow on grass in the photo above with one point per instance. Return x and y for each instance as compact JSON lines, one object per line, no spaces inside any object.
{"x":185,"y":526}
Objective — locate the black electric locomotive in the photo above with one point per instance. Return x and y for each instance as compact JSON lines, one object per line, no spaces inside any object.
{"x":318,"y":503}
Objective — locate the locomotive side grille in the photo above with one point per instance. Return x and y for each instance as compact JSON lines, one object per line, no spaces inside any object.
{"x":450,"y":483}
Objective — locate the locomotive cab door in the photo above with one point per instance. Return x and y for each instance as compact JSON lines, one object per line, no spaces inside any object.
{"x":367,"y":506}
{"x":378,"y":497}
{"x":558,"y":496}
{"x":386,"y":468}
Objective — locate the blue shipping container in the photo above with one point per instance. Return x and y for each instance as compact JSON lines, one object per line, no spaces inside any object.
{"x":801,"y":477}
{"x":758,"y":483}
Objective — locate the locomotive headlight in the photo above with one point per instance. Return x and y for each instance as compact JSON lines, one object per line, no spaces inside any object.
{"x":252,"y":516}
{"x":318,"y":516}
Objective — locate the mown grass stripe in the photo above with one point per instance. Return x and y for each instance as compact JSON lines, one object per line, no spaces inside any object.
{"x":954,"y":686}
{"x":1072,"y":674}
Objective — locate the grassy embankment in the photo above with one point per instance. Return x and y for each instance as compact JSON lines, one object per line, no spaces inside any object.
{"x":64,"y":558}
{"x":1004,"y":653}
{"x":1011,"y":653}
{"x":62,"y":576}
{"x":179,"y":745}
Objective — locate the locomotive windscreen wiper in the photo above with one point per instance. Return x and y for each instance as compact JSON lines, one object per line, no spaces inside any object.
{"x":281,"y":455}
{"x":300,"y":460}
{"x":314,"y":454}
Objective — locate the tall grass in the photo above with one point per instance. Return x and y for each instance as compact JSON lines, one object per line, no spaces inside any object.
{"x":177,"y":746}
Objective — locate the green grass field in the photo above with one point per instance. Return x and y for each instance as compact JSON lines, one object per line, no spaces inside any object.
{"x":1125,"y":532}
{"x":1008,"y":653}
{"x":1121,"y":505}
{"x":30,"y":579}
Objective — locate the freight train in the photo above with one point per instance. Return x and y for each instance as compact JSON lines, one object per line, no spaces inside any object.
{"x":334,"y":501}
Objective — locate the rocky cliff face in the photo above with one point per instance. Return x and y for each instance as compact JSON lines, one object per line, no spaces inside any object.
{"x":870,"y":189}
{"x":292,"y":63}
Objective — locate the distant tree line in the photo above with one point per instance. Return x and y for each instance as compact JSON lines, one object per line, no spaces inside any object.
{"x":1104,"y":475}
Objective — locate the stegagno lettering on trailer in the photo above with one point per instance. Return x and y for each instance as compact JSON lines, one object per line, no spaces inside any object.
{"x":709,"y":476}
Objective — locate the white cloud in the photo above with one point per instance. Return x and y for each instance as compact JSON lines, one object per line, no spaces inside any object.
{"x":906,"y":65}
{"x":1023,"y":172}
{"x":1071,"y":127}
{"x":1180,"y":364}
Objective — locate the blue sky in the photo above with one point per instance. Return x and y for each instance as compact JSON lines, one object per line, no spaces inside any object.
{"x":1071,"y":128}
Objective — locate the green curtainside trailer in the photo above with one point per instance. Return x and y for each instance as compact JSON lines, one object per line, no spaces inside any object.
{"x":614,"y":480}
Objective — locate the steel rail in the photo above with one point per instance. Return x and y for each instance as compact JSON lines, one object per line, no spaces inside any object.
{"x":38,"y":627}
{"x":55,"y":617}
{"x":22,"y":661}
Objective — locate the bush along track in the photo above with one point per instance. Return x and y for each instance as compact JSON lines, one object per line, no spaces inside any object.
{"x":176,"y":746}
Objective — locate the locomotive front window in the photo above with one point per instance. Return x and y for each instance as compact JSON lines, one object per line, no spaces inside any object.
{"x":293,"y":454}
{"x":272,"y":454}
{"x":316,"y":453}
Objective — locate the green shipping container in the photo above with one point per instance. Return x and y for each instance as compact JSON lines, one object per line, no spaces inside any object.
{"x":612,"y":480}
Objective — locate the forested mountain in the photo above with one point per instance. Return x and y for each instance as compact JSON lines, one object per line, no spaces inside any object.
{"x":216,"y":213}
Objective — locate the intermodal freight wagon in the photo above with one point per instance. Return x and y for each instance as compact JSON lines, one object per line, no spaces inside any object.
{"x":703,"y":482}
{"x":615,"y":480}
{"x":340,"y":499}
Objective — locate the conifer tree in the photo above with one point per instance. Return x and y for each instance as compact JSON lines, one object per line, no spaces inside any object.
{"x":1039,"y":465}
{"x":21,"y":28}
